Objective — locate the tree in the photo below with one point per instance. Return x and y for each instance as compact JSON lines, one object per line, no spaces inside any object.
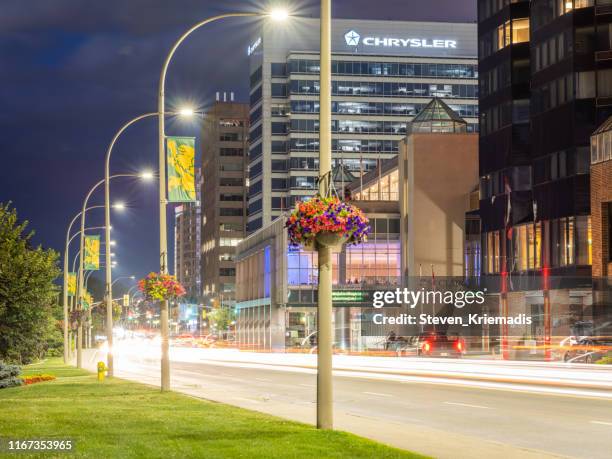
{"x":27,"y":292}
{"x":222,"y":318}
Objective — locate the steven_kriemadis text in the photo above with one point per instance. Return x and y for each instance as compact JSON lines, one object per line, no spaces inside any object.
{"x":471,"y":319}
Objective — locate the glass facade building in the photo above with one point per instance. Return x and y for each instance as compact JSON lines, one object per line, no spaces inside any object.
{"x":380,"y":82}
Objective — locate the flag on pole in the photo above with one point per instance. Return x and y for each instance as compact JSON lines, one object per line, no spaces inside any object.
{"x":92,"y":253}
{"x":181,"y":169}
{"x":87,"y":300}
{"x":72,"y":284}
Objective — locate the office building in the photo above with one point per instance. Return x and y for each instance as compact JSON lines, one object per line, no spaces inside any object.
{"x":187,"y":240}
{"x":384,"y":74}
{"x":416,"y":213}
{"x":224,"y":195}
{"x":545,"y":87}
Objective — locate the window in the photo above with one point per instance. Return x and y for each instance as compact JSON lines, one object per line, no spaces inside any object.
{"x":279,"y":165}
{"x":227,"y":272}
{"x":229,"y":241}
{"x":279,"y":69}
{"x":254,"y":225}
{"x":520,"y":30}
{"x":279,"y":146}
{"x":230,"y":137}
{"x":256,"y":133}
{"x":280,"y":128}
{"x":585,"y":85}
{"x":231,"y":152}
{"x":279,"y":110}
{"x":279,"y":203}
{"x":230,"y":181}
{"x":256,"y":115}
{"x":279,"y":184}
{"x":231,"y":167}
{"x":255,"y":188}
{"x":230,"y":227}
{"x":278,"y":90}
{"x":231,"y":123}
{"x":304,"y":183}
{"x":231,"y":197}
{"x":255,"y":152}
{"x":256,"y":170}
{"x":256,"y":96}
{"x":256,"y":77}
{"x":230,"y":212}
{"x":255,"y":206}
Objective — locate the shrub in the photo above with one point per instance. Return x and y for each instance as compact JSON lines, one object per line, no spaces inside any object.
{"x":605,"y":361}
{"x":9,"y":375}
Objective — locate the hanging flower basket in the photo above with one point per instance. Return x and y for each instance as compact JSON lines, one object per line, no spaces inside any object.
{"x":160,"y":287}
{"x":77,"y":317}
{"x":328,"y":222}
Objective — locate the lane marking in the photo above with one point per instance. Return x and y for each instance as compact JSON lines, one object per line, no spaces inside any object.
{"x":378,"y":394}
{"x":263,"y":379}
{"x":603,"y":423}
{"x":467,"y":405}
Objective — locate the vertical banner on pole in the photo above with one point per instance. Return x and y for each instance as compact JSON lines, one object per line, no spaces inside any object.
{"x":72,"y":284}
{"x":181,"y":169}
{"x":92,"y":253}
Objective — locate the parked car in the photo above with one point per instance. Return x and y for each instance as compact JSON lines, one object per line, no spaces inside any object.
{"x":433,"y":344}
{"x":588,"y":350}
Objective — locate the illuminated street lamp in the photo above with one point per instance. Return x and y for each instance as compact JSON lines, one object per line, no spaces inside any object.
{"x":146,"y":175}
{"x":69,"y":239}
{"x":107,"y":228}
{"x":163,"y":237}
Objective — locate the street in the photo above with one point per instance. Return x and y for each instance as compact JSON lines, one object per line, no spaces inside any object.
{"x":435,"y":416}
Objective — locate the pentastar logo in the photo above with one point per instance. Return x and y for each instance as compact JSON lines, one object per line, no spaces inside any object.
{"x":352,"y":38}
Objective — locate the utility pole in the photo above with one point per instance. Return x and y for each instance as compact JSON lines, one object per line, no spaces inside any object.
{"x":324,"y":311}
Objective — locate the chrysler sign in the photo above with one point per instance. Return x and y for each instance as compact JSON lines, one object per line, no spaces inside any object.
{"x":353,"y":39}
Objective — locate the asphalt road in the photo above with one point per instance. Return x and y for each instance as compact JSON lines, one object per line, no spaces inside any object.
{"x":435,"y":418}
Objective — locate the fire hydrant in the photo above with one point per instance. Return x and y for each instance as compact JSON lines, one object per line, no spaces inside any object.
{"x":101,"y":371}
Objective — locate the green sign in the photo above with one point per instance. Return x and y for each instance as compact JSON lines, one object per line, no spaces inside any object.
{"x":348,"y":296}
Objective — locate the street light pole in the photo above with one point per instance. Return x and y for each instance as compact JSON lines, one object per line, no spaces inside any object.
{"x":82,"y":259}
{"x":65,"y":284}
{"x":108,"y":272}
{"x":324,"y":319}
{"x":163,"y":237}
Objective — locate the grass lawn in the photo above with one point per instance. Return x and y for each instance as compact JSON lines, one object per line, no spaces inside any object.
{"x":124,"y":419}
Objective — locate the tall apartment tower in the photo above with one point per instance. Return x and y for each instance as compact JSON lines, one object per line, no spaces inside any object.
{"x":384,"y":74}
{"x":224,"y":194}
{"x":545,"y":86}
{"x":187,"y":241}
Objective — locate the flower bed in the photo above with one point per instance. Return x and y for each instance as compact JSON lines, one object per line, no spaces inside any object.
{"x":326,"y":216}
{"x":160,"y":287}
{"x":27,"y":380}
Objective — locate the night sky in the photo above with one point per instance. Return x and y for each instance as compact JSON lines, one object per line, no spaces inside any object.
{"x":73,"y":71}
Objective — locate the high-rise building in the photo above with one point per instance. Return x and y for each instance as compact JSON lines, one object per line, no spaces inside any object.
{"x":384,"y":74}
{"x":224,"y":193}
{"x":545,"y":86}
{"x":187,"y":231}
